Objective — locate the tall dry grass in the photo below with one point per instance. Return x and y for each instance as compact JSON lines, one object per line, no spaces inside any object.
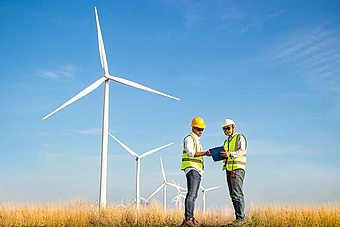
{"x":327,"y":214}
{"x":84,"y":213}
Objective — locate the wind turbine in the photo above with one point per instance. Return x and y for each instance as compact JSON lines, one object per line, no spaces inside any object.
{"x":138,"y":158}
{"x":105,"y":127}
{"x":121,"y":205}
{"x":163,"y":185}
{"x":180,"y":196}
{"x":206,"y":190}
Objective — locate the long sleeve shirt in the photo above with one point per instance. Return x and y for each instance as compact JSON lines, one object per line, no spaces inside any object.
{"x":189,"y":149}
{"x":240,"y":147}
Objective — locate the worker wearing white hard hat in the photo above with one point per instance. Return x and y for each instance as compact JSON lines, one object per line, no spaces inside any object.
{"x":193,"y":167}
{"x":235,"y":150}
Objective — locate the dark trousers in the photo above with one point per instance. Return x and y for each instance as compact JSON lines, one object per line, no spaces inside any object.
{"x":193,"y":184}
{"x":236,"y":194}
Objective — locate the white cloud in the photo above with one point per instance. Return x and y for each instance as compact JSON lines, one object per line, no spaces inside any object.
{"x":225,"y":14}
{"x":193,"y":14}
{"x":47,"y":74}
{"x":233,"y":12}
{"x":62,"y":71}
{"x":312,"y":51}
{"x":92,"y":131}
{"x":277,"y":14}
{"x":241,"y":19}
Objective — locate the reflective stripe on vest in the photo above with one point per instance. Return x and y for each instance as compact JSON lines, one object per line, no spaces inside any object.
{"x":193,"y":162}
{"x":234,"y":163}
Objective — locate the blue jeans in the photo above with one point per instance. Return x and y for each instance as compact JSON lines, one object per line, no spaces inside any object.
{"x":235,"y":191}
{"x":193,"y":184}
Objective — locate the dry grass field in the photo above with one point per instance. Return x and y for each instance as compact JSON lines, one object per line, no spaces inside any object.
{"x":83,"y":213}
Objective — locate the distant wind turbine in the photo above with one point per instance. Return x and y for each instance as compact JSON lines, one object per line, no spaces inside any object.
{"x":180,"y":197}
{"x":138,"y":158}
{"x":121,"y":205}
{"x":105,"y":127}
{"x":163,"y":185}
{"x":206,"y":190}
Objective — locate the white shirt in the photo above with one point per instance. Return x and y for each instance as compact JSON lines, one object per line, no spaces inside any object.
{"x":240,"y":148}
{"x":189,"y":149}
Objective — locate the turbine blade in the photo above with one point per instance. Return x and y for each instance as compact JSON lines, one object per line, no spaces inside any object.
{"x":101,"y":45}
{"x":171,"y":184}
{"x":163,"y":174}
{"x":174,"y":199}
{"x":123,"y":145}
{"x":157,"y":190}
{"x":145,"y":200}
{"x":176,"y":186}
{"x":154,"y":150}
{"x":202,"y":187}
{"x":184,"y":189}
{"x":139,"y":86}
{"x":208,"y":189}
{"x":79,"y":95}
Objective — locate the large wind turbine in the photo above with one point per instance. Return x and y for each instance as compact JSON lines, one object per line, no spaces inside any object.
{"x":106,"y":78}
{"x":138,"y":158}
{"x":206,"y":190}
{"x":163,"y":185}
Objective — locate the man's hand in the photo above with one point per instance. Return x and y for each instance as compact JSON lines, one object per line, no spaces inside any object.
{"x":225,"y":154}
{"x":208,"y":153}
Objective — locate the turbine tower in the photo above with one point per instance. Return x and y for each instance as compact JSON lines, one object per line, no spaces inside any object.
{"x":105,"y":127}
{"x":163,"y":185}
{"x":138,"y":158}
{"x":206,"y":190}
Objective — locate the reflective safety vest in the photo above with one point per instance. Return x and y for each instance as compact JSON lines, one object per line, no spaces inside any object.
{"x":193,"y":162}
{"x":234,"y":163}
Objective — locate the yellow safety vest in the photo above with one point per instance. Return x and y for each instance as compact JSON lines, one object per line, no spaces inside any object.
{"x":234,"y":163}
{"x":193,"y":162}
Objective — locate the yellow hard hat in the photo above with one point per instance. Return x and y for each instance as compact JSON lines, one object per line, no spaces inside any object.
{"x":198,"y":122}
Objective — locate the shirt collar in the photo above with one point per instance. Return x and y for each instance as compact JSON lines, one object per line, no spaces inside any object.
{"x":195,"y":136}
{"x":230,"y":137}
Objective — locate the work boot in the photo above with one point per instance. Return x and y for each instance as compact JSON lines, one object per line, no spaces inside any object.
{"x":189,"y":223}
{"x":237,"y":223}
{"x":196,"y":223}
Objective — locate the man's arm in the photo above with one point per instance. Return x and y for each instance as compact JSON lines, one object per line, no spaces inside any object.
{"x":203,"y":153}
{"x":189,"y":148}
{"x":240,"y":149}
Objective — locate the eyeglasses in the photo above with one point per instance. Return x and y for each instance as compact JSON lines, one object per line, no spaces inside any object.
{"x":227,"y":128}
{"x":199,"y":129}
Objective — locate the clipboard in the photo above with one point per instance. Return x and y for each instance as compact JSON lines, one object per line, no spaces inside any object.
{"x":215,"y":153}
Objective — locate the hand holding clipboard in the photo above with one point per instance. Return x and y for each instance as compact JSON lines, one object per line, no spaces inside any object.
{"x":215,"y":153}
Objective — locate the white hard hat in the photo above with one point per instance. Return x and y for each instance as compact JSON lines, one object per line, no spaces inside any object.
{"x":227,"y":122}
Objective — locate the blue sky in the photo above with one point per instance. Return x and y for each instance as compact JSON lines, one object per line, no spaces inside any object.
{"x":271,"y":66}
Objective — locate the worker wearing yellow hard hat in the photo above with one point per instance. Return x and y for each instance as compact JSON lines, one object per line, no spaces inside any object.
{"x":193,"y":167}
